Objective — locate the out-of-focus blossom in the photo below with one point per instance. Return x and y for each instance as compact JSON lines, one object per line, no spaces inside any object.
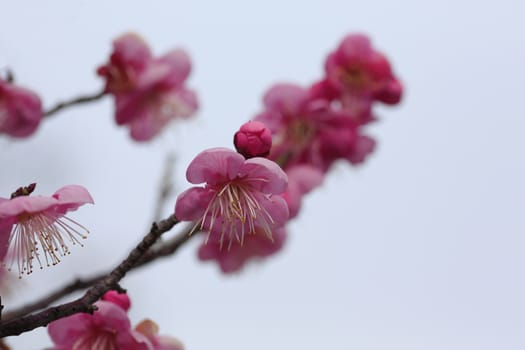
{"x":253,"y":139}
{"x":255,"y":247}
{"x":301,"y":180}
{"x":308,"y":130}
{"x":359,"y":75}
{"x":32,"y":225}
{"x":20,"y":110}
{"x":240,"y":196}
{"x":159,"y":342}
{"x":108,"y":328}
{"x":149,"y":92}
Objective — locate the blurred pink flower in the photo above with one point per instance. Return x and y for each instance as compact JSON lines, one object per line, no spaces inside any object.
{"x":240,"y":196}
{"x":360,"y":74}
{"x":20,"y":110}
{"x":256,"y":246}
{"x":27,"y":222}
{"x":253,"y":139}
{"x":150,"y":330}
{"x":149,"y":92}
{"x":108,"y":328}
{"x":307,"y":130}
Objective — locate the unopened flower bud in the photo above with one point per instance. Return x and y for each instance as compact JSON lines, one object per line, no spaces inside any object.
{"x":253,"y":139}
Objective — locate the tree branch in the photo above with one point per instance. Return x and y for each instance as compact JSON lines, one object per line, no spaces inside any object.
{"x":165,"y":249}
{"x":85,"y":303}
{"x":78,"y":100}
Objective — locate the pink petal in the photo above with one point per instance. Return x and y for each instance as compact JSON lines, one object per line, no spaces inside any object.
{"x":264,"y":175}
{"x":285,"y":98}
{"x":25,"y":204}
{"x":73,"y":194}
{"x":192,"y":203}
{"x":180,"y":66}
{"x":214,"y":166}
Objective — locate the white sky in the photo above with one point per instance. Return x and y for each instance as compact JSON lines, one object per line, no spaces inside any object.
{"x":421,"y":248}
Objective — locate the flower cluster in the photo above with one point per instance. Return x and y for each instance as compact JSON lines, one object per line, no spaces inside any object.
{"x":35,"y":225}
{"x":304,"y":130}
{"x":20,"y":110}
{"x":109,"y":328}
{"x":149,"y":92}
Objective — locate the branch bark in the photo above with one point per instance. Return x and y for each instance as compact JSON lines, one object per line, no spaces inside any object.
{"x":85,"y":303}
{"x":75,"y":101}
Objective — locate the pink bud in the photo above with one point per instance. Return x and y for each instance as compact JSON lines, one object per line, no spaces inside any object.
{"x":253,"y":139}
{"x":119,"y":299}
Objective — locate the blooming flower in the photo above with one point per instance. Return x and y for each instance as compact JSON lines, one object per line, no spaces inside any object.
{"x":256,"y":246}
{"x":20,"y":110}
{"x":240,"y":197}
{"x":108,"y":328}
{"x":253,"y":139}
{"x":30,"y":225}
{"x":360,"y":74}
{"x":149,"y":92}
{"x":307,"y":130}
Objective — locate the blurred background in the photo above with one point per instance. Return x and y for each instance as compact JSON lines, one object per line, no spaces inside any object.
{"x":419,"y":248}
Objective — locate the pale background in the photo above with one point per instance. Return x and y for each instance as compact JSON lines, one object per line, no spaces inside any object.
{"x":421,"y":248}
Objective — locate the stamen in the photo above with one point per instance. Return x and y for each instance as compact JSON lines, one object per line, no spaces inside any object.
{"x":47,"y":232}
{"x":239,"y":212}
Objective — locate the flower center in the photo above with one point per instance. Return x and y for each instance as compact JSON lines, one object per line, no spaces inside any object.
{"x":234,"y":212}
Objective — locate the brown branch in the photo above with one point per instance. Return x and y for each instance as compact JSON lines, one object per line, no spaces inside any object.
{"x":164,"y":249}
{"x":85,"y":303}
{"x":165,"y":185}
{"x":78,"y":100}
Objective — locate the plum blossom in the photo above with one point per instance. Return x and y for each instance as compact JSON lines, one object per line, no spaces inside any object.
{"x":256,"y":247}
{"x":359,"y":75}
{"x":20,"y":110}
{"x":307,"y":130}
{"x":108,"y":328}
{"x":149,"y":92}
{"x":240,"y":196}
{"x":253,"y":139}
{"x":32,"y":225}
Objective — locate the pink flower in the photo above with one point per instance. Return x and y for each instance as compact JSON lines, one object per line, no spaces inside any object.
{"x":30,"y":225}
{"x":307,"y":130}
{"x":149,"y":92}
{"x":150,"y":330}
{"x":130,"y":58}
{"x":253,"y":139}
{"x":360,"y":74}
{"x":20,"y":110}
{"x":256,"y":246}
{"x":240,"y":197}
{"x":108,"y":328}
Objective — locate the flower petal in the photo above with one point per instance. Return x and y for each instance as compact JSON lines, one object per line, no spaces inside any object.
{"x":192,"y":203}
{"x":214,"y":166}
{"x":264,"y":175}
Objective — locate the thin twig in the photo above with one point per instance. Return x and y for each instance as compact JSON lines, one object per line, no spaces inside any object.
{"x":85,"y":303}
{"x":78,"y":100}
{"x":165,"y":249}
{"x":166,"y":185}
